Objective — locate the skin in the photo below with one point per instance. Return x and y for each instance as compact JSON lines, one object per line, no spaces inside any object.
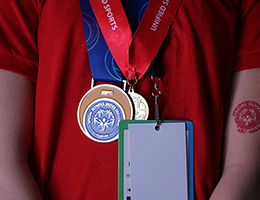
{"x":16,"y":118}
{"x":241,"y":161}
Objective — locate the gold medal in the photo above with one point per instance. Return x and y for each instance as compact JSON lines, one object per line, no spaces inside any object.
{"x":100,"y":111}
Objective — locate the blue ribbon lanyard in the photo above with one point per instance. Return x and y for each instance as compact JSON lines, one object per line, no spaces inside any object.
{"x":102,"y":64}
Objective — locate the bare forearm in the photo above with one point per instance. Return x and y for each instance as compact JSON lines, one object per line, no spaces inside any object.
{"x":16,"y":126}
{"x":237,"y":184}
{"x":18,"y":183}
{"x":241,"y":151}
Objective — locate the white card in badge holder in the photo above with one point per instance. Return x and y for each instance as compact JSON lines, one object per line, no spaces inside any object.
{"x":155,"y":163}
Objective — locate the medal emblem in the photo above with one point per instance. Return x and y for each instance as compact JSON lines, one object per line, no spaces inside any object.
{"x":141,"y":107}
{"x":100,"y":111}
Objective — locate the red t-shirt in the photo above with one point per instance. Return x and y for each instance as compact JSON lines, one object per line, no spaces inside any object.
{"x":44,"y":41}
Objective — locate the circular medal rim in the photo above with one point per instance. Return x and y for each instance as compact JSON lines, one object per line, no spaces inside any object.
{"x":121,"y":91}
{"x":144,"y":100}
{"x":84,"y":119}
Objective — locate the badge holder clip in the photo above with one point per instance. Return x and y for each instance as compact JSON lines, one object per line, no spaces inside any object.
{"x":156,"y":93}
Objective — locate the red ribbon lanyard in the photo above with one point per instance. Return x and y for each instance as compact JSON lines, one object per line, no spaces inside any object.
{"x":134,"y":54}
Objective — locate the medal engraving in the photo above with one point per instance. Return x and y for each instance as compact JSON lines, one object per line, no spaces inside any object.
{"x":140,"y":106}
{"x":100,"y":111}
{"x":101,"y":118}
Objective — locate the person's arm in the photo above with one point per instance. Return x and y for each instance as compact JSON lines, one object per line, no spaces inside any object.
{"x":241,"y":155}
{"x":16,"y":126}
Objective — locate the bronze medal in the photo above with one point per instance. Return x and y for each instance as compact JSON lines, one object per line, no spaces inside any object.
{"x":100,"y":111}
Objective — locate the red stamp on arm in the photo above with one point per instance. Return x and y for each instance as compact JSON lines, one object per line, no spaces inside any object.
{"x":247,"y":117}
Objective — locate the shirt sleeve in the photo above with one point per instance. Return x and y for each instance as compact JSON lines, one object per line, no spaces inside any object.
{"x":248,"y":35}
{"x":18,"y":36}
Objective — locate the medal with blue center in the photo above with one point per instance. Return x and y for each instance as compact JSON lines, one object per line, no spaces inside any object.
{"x":100,"y":111}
